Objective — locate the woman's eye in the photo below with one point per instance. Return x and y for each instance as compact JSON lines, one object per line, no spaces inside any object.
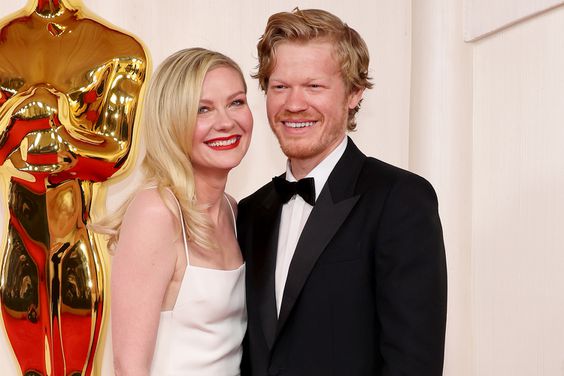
{"x":238,"y":102}
{"x":203,"y":109}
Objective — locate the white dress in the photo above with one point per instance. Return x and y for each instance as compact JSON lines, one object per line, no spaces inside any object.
{"x":202,"y":334}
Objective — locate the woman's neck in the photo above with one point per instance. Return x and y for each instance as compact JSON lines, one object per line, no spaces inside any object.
{"x":210,"y":189}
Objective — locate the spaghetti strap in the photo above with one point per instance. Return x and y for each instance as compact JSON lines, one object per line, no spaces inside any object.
{"x":183,"y":225}
{"x":232,"y":213}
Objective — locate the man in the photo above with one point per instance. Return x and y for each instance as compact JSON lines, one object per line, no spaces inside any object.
{"x":349,"y":279}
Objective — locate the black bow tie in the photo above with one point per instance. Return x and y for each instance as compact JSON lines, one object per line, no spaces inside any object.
{"x":287,"y":189}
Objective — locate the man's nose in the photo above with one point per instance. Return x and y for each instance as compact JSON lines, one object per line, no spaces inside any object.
{"x":296,"y":100}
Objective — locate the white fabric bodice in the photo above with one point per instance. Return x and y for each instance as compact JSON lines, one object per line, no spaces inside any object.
{"x":202,"y":334}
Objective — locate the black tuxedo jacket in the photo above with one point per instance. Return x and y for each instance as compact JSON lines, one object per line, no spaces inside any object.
{"x":366,"y":289}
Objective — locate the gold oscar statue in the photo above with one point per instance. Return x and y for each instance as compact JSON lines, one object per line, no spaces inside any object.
{"x":70,"y":86}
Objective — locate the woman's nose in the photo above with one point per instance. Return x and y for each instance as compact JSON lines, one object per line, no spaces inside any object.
{"x":224,"y":120}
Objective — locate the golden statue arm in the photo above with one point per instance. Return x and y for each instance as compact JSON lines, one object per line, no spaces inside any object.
{"x":97,"y":119}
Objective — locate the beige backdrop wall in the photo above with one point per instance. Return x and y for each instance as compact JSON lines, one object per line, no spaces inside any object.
{"x":486,"y":126}
{"x":518,"y":199}
{"x":484,"y":17}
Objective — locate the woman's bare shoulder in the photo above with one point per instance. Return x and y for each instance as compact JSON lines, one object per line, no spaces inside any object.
{"x":149,"y":216}
{"x":149,"y":202}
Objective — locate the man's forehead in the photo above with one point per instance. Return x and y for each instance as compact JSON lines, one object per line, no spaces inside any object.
{"x":302,"y":42}
{"x":307,"y":57}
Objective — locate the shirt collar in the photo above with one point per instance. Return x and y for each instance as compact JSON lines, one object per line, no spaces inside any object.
{"x":322,"y":171}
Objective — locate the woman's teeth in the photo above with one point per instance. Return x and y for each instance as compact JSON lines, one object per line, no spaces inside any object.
{"x":227,"y":142}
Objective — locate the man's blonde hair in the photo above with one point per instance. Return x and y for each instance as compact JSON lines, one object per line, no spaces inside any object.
{"x":309,"y":24}
{"x":169,"y":119}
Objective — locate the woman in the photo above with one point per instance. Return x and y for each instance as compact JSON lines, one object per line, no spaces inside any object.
{"x":178,"y":304}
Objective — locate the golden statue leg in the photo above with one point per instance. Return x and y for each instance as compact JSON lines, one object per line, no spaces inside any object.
{"x":22,"y":301}
{"x":79,"y":313}
{"x":75,"y":277}
{"x":51,"y":301}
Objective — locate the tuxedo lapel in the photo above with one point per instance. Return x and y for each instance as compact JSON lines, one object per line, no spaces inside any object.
{"x":322,"y":224}
{"x":263,"y":272}
{"x":333,"y":206}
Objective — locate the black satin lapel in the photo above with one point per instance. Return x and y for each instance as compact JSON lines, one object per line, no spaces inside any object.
{"x":323,"y":223}
{"x":265,"y":247}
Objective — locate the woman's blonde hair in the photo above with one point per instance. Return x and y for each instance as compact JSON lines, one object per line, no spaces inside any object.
{"x":169,"y":118}
{"x":310,"y":24}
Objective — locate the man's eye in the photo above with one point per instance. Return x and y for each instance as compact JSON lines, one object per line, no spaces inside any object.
{"x":278,"y":87}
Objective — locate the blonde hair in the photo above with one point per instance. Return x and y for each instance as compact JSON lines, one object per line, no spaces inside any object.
{"x":169,"y":118}
{"x":309,"y":24}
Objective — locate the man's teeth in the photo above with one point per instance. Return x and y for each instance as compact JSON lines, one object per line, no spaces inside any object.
{"x":299,"y":125}
{"x":228,"y":142}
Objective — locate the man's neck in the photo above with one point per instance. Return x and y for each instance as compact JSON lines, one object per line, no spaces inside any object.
{"x":300,"y":168}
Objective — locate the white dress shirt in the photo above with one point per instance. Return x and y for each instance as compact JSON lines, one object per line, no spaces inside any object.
{"x":294,"y":217}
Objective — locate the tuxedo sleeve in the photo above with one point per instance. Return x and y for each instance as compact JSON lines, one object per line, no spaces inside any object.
{"x":410,"y":280}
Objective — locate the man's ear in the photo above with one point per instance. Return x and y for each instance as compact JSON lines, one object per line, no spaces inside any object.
{"x":354,"y":98}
